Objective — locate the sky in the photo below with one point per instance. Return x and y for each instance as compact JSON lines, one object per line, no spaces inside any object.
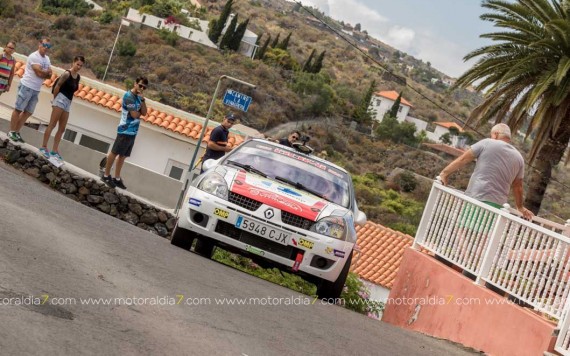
{"x":439,"y":31}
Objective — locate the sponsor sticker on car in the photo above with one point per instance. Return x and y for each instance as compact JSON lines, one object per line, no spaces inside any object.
{"x":306,"y":243}
{"x":221,"y":213}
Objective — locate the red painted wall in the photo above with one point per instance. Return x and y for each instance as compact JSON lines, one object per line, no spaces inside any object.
{"x":436,"y":300}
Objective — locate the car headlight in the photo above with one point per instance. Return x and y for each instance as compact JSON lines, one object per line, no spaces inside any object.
{"x":214,"y":184}
{"x":332,"y":226}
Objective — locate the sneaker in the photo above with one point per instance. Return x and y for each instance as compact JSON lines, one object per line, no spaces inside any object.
{"x":56,"y":155}
{"x":44,"y":152}
{"x":13,"y":136}
{"x":109,"y":181}
{"x":119,"y":183}
{"x":20,"y":139}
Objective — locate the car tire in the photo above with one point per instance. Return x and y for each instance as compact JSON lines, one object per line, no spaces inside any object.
{"x":182,"y":238}
{"x":204,"y":247}
{"x":327,"y":289}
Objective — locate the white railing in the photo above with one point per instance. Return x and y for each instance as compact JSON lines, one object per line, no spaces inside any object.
{"x":527,"y":260}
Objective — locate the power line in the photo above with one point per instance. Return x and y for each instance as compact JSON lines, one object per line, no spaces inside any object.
{"x":397,"y":79}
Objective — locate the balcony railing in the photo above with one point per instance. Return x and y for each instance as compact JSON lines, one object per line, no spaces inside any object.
{"x":528,"y":260}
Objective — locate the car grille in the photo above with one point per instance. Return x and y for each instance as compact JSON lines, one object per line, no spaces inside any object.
{"x":244,"y":202}
{"x":233,"y":232}
{"x":295,"y":220}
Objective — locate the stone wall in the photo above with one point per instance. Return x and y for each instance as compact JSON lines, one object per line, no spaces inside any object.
{"x":89,"y":192}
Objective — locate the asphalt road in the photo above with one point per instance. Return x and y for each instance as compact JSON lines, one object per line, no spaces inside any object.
{"x":55,"y":254}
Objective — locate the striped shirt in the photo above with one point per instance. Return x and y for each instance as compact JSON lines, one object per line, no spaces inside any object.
{"x":6,"y":66}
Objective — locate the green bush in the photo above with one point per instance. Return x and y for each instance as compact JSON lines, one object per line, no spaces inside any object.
{"x":7,"y":8}
{"x":169,"y":37}
{"x":106,"y":17}
{"x":356,"y":296}
{"x":64,"y":22}
{"x":126,"y":48}
{"x":65,"y":7}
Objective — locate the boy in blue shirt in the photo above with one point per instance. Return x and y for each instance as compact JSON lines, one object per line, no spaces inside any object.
{"x":133,"y":108}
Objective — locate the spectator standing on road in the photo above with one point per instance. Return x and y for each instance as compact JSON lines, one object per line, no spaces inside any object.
{"x":63,"y":91}
{"x":499,"y":167}
{"x":38,"y":69}
{"x":133,"y":108}
{"x":7,"y":64}
{"x":291,"y":139}
{"x":218,"y":142}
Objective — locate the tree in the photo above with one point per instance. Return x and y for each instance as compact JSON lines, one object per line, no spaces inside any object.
{"x":396,"y":106}
{"x":525,"y":72}
{"x":308,"y":64}
{"x":238,"y":35}
{"x":363,"y":112}
{"x":275,"y":41}
{"x":316,"y":68}
{"x":445,"y":138}
{"x":229,"y":34}
{"x":261,"y":53}
{"x":217,"y":26}
{"x":285,"y":43}
{"x":357,"y":27}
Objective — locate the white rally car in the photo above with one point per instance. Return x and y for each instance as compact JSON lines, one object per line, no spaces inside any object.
{"x":278,"y":206}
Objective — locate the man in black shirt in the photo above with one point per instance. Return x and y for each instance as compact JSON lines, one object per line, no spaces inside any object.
{"x":218,"y":142}
{"x":292,"y":138}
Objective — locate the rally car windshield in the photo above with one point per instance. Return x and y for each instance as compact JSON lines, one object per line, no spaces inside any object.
{"x":298,"y":170}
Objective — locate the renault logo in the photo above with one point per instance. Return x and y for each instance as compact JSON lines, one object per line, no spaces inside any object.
{"x":269,"y":213}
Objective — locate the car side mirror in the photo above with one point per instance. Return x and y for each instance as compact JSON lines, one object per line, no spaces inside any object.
{"x":209,"y":164}
{"x":360,"y":218}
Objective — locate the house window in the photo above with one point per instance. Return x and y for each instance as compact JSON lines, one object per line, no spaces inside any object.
{"x":378,"y":102}
{"x":175,"y":29}
{"x":94,"y":144}
{"x":400,"y":108}
{"x":159,"y":24}
{"x":144,"y":18}
{"x":190,"y":34}
{"x":175,"y":169}
{"x":430,"y":127}
{"x":70,"y":135}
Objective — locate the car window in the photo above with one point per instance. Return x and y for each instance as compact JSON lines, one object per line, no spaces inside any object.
{"x":326,"y":180}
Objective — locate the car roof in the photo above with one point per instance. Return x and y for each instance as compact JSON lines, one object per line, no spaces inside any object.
{"x":315,"y":158}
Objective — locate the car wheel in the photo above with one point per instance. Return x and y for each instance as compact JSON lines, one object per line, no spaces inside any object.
{"x":182,"y":238}
{"x":204,"y":247}
{"x":327,"y":289}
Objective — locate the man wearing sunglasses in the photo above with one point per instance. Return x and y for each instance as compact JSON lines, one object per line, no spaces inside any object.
{"x":38,"y":69}
{"x":291,"y":139}
{"x":133,"y":108}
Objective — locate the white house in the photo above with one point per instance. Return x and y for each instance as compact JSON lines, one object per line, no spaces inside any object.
{"x":192,"y":34}
{"x":166,"y":139}
{"x":382,"y":102}
{"x":435,"y":130}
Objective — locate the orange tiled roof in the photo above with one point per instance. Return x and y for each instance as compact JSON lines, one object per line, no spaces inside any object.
{"x":161,"y":119}
{"x":393,"y":95}
{"x":448,"y":125}
{"x":381,"y":251}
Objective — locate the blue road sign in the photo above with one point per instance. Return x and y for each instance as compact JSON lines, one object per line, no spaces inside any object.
{"x":237,"y":100}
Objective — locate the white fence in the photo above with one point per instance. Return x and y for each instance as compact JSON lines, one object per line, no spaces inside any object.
{"x":528,"y":260}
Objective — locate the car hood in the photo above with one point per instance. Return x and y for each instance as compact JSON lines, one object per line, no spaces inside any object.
{"x":281,"y":195}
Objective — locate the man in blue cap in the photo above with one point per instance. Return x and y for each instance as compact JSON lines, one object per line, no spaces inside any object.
{"x":218,"y":142}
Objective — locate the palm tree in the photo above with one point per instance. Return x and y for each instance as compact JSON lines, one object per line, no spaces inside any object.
{"x":524,"y":75}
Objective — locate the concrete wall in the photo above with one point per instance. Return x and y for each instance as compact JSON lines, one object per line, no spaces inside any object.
{"x":434,"y":299}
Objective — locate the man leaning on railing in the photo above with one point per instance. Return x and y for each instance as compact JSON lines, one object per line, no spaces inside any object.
{"x":499,"y":167}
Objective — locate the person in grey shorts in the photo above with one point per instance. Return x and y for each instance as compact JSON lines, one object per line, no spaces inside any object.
{"x":38,"y":69}
{"x":63,"y":90}
{"x":499,"y":167}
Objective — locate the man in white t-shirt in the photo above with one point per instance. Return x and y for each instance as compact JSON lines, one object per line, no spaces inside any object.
{"x":499,"y":167}
{"x":38,"y":69}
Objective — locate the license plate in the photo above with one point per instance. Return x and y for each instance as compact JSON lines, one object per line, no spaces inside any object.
{"x":263,"y":230}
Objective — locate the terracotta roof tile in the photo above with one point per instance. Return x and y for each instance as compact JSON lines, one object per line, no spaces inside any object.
{"x":448,"y":125}
{"x":381,"y":251}
{"x":161,"y":119}
{"x":393,"y":95}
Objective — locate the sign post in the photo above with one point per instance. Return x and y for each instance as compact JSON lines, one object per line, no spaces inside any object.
{"x":237,"y":98}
